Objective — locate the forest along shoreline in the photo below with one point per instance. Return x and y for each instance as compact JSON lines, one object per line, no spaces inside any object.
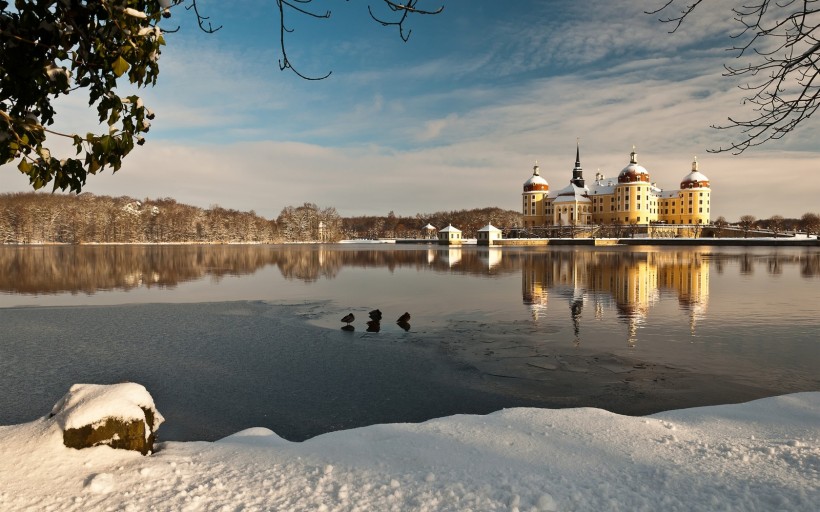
{"x":37,"y":218}
{"x":688,"y":242}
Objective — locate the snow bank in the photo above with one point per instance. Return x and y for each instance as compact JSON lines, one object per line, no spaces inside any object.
{"x":763,"y":455}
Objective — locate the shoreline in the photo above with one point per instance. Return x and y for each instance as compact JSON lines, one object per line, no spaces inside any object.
{"x":506,"y":242}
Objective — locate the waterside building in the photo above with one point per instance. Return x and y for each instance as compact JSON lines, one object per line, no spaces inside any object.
{"x":630,"y":199}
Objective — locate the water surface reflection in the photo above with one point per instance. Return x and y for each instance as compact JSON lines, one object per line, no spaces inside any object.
{"x":632,"y":282}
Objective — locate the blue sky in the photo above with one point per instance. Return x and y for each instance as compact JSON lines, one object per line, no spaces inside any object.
{"x":452,"y":119}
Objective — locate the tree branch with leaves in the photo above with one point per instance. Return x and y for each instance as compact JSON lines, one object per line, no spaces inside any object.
{"x":52,"y":48}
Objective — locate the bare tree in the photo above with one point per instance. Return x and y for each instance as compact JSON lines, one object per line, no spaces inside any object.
{"x":780,"y":37}
{"x":776,"y":224}
{"x":810,"y":223}
{"x":720,"y":224}
{"x":747,"y":222}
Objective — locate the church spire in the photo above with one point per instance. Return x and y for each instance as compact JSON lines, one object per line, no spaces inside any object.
{"x":577,"y":172}
{"x":578,"y":153}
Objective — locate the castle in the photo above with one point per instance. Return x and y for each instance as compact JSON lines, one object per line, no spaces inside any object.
{"x":630,"y":199}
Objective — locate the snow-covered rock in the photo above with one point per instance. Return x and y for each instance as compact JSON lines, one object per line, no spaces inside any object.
{"x":117,"y":415}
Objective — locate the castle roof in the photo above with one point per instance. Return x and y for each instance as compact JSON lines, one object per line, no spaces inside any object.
{"x":489,"y":228}
{"x":633,"y":172}
{"x":694,"y":179}
{"x":536,"y":182}
{"x":572,"y":193}
{"x":603,"y":186}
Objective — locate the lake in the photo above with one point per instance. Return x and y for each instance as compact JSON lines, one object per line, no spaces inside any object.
{"x":230,"y":337}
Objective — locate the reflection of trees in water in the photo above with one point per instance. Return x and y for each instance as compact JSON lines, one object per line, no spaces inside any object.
{"x":775,"y":263}
{"x":747,"y":264}
{"x":626,"y":276}
{"x":87,"y":269}
{"x":310,"y":263}
{"x":810,"y":267}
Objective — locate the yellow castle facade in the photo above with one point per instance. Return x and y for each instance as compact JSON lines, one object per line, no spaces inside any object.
{"x":630,"y":199}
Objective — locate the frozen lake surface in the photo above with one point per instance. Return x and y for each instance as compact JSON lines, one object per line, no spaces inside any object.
{"x":630,"y":330}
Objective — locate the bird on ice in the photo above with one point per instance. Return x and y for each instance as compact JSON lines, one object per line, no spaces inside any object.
{"x":348,"y":318}
{"x":404,"y":318}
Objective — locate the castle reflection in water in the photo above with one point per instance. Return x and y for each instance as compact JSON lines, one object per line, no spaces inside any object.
{"x":628,"y":282}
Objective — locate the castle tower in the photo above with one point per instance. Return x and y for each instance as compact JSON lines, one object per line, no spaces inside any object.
{"x":695,"y":197}
{"x":635,"y":201}
{"x":535,"y":190}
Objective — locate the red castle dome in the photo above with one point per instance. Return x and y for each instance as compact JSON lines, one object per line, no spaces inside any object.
{"x":633,"y":172}
{"x":694,"y":179}
{"x":536,"y":183}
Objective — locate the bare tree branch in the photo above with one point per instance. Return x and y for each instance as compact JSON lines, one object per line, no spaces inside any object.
{"x":782,"y":84}
{"x":404,"y":10}
{"x":303,"y":7}
{"x":202,"y":20}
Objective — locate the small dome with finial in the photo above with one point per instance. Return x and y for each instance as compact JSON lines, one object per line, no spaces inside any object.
{"x":536,"y":183}
{"x":633,"y":172}
{"x":694,"y":179}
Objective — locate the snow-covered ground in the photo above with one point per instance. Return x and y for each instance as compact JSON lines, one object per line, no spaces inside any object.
{"x":763,"y":455}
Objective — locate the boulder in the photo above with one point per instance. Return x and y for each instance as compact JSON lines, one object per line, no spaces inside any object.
{"x":117,"y":415}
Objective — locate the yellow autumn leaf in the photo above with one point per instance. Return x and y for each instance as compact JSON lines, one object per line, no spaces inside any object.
{"x":120,"y":66}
